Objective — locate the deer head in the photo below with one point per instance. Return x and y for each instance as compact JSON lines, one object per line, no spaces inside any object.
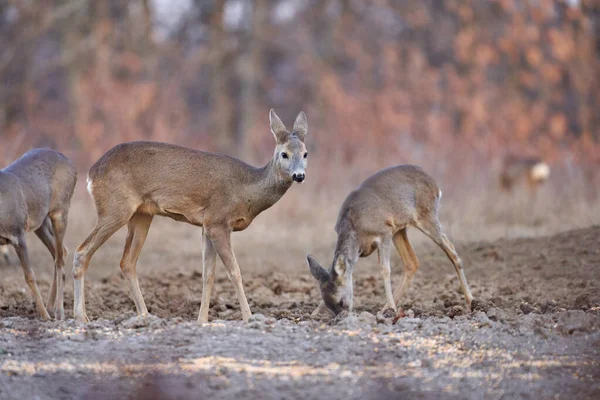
{"x":290,"y":152}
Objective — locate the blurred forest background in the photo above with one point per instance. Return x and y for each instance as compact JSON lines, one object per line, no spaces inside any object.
{"x":450,"y":85}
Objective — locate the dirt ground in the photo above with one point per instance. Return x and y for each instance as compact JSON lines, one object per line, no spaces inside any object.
{"x":534,"y":333}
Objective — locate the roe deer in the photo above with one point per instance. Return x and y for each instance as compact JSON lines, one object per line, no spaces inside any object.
{"x":4,"y":252}
{"x":133,"y":182}
{"x":517,"y":169}
{"x":373,"y":216}
{"x":35,"y":195}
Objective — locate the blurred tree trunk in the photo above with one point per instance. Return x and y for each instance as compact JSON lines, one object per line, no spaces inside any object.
{"x":71,"y":37}
{"x":326,"y":33}
{"x":221,"y":107}
{"x":250,"y":68}
{"x":149,"y":53}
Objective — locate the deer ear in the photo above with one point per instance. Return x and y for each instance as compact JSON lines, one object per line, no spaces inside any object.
{"x":301,"y":126}
{"x":278,"y":128}
{"x":318,"y":272}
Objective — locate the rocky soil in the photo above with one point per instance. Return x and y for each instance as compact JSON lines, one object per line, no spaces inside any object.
{"x":534,"y":332}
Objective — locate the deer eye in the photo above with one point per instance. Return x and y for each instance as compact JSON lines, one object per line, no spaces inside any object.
{"x":341,"y":304}
{"x":305,"y":155}
{"x":284,"y":155}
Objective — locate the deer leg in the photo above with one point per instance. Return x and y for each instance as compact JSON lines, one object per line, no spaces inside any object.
{"x":410,"y":261}
{"x":105,"y":227}
{"x":59,"y":226}
{"x":433,"y":229}
{"x":221,"y":239}
{"x":209,"y":261}
{"x":384,"y":265}
{"x":21,"y":249}
{"x":138,"y":226}
{"x":46,"y":235}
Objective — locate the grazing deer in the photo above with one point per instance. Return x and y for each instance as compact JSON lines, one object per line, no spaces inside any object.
{"x":373,"y":217}
{"x":4,"y":252}
{"x":530,"y":170}
{"x":133,"y":182}
{"x":35,"y":195}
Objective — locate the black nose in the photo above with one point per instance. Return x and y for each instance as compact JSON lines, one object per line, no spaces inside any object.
{"x":298,"y":177}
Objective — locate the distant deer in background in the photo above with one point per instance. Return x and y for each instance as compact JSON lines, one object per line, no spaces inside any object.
{"x":35,"y":195}
{"x":4,"y":253}
{"x":375,"y":216}
{"x":133,"y":182}
{"x":517,"y":170}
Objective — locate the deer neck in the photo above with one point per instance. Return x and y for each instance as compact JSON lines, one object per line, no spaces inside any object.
{"x":347,"y":248}
{"x":267,"y":188}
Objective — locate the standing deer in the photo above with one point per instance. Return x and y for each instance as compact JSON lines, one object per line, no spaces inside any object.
{"x":133,"y":182}
{"x":374,"y":216}
{"x":35,"y":195}
{"x":517,"y":169}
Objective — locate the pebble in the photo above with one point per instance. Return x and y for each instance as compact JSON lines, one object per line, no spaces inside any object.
{"x":143,"y":322}
{"x":482,"y":320}
{"x":527,"y":308}
{"x":367,"y":318}
{"x":257,"y":318}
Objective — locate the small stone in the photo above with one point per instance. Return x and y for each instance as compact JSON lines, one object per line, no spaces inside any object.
{"x":100,"y":323}
{"x":551,"y":306}
{"x":482,"y":320}
{"x":583,"y":301}
{"x":495,"y":314}
{"x":367,"y":318}
{"x":350,"y":322}
{"x":225,"y":314}
{"x":257,"y":318}
{"x":455,"y":311}
{"x":389,"y":313}
{"x":140,"y":322}
{"x":527,"y":308}
{"x":255,"y":325}
{"x":478,"y":305}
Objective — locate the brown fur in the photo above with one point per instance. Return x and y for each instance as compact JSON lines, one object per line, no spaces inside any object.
{"x":35,"y":195}
{"x":373,"y":217}
{"x":133,"y":182}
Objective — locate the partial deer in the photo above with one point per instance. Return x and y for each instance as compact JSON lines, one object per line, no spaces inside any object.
{"x":4,"y":253}
{"x":133,"y":182}
{"x":532,"y":171}
{"x":35,"y":195}
{"x":374,"y":216}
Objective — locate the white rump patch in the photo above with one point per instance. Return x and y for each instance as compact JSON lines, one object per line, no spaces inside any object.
{"x":540,"y":171}
{"x":89,"y":186}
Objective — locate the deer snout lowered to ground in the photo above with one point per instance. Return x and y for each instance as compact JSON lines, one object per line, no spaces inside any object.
{"x":375,"y":216}
{"x":35,"y":195}
{"x":516,"y":170}
{"x":133,"y":182}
